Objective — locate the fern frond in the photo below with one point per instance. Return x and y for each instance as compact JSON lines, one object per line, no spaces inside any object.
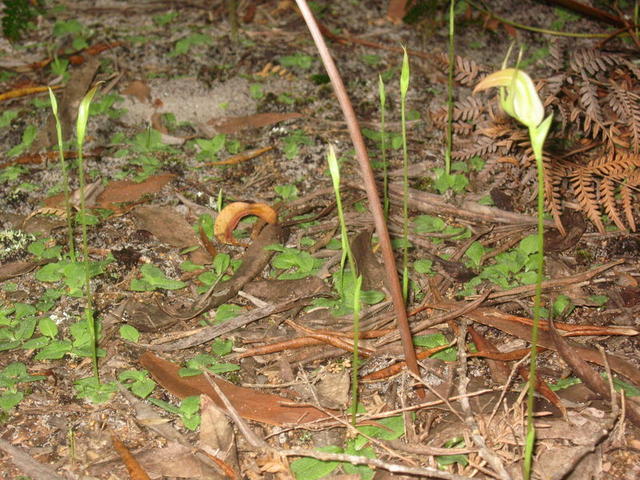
{"x":589,"y":101}
{"x":615,"y":164}
{"x":466,"y":110}
{"x":466,"y":70}
{"x":591,"y":60}
{"x":627,"y":200}
{"x":626,"y":105}
{"x":483,"y":146}
{"x":555,"y":59}
{"x":584,"y":188}
{"x":553,"y":192}
{"x":608,"y":198}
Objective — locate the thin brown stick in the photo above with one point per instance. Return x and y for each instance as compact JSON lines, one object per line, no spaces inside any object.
{"x":484,"y":451}
{"x":370,"y":187}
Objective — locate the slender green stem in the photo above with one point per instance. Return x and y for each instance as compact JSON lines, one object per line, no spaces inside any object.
{"x":383,"y":148}
{"x":65,"y":178}
{"x":521,"y":26}
{"x":452,"y":59}
{"x":356,"y":354}
{"x":347,"y":255}
{"x":530,"y":443}
{"x":81,"y":128}
{"x":91,"y":323}
{"x":404,"y":87}
{"x":537,"y":134}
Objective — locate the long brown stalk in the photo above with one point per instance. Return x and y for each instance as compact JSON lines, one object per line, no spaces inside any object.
{"x":370,"y":187}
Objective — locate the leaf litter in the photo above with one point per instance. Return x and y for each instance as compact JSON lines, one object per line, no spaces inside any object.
{"x":289,"y":326}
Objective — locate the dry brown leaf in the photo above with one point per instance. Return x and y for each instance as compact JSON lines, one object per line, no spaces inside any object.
{"x":136,"y":472}
{"x":176,"y":460}
{"x":15,"y":269}
{"x":139,"y":90}
{"x":169,"y":227}
{"x":124,"y":191}
{"x":230,"y":215}
{"x":216,"y":433}
{"x":250,"y":404}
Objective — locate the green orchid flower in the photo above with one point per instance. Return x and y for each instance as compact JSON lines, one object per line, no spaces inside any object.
{"x":519,"y":98}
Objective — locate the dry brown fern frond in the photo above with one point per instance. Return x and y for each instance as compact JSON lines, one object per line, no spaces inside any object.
{"x":616,"y":164}
{"x":556,"y":58}
{"x":466,"y":110}
{"x":628,"y":189}
{"x":633,"y":68}
{"x":626,"y":105}
{"x":584,"y":187}
{"x":466,"y":71}
{"x":590,"y":104}
{"x":591,"y":60}
{"x":608,"y":198}
{"x":483,"y":146}
{"x":610,"y":174}
{"x":592,"y":127}
{"x":553,"y":178}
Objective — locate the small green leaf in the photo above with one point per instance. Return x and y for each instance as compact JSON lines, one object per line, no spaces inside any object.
{"x":435,"y":340}
{"x":51,"y":272}
{"x":564,"y":383}
{"x":444,"y":460}
{"x":255,"y":91}
{"x":8,"y":400}
{"x":143,"y":388}
{"x":129,"y":333}
{"x":298,"y":60}
{"x":428,"y":224}
{"x":7,"y":117}
{"x":227,"y":311}
{"x":92,"y":389}
{"x":48,"y":327}
{"x":600,"y":300}
{"x":55,"y":350}
{"x":156,"y":278}
{"x":475,"y":253}
{"x":36,"y":343}
{"x":529,"y":244}
{"x":308,"y":468}
{"x":190,"y":405}
{"x":221,"y":263}
{"x":620,"y":385}
{"x":288,"y":192}
{"x":423,"y":265}
{"x":562,"y":306}
{"x":189,"y":266}
{"x":141,"y":384}
{"x":389,"y":428}
{"x":165,"y":405}
{"x":221,"y":347}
